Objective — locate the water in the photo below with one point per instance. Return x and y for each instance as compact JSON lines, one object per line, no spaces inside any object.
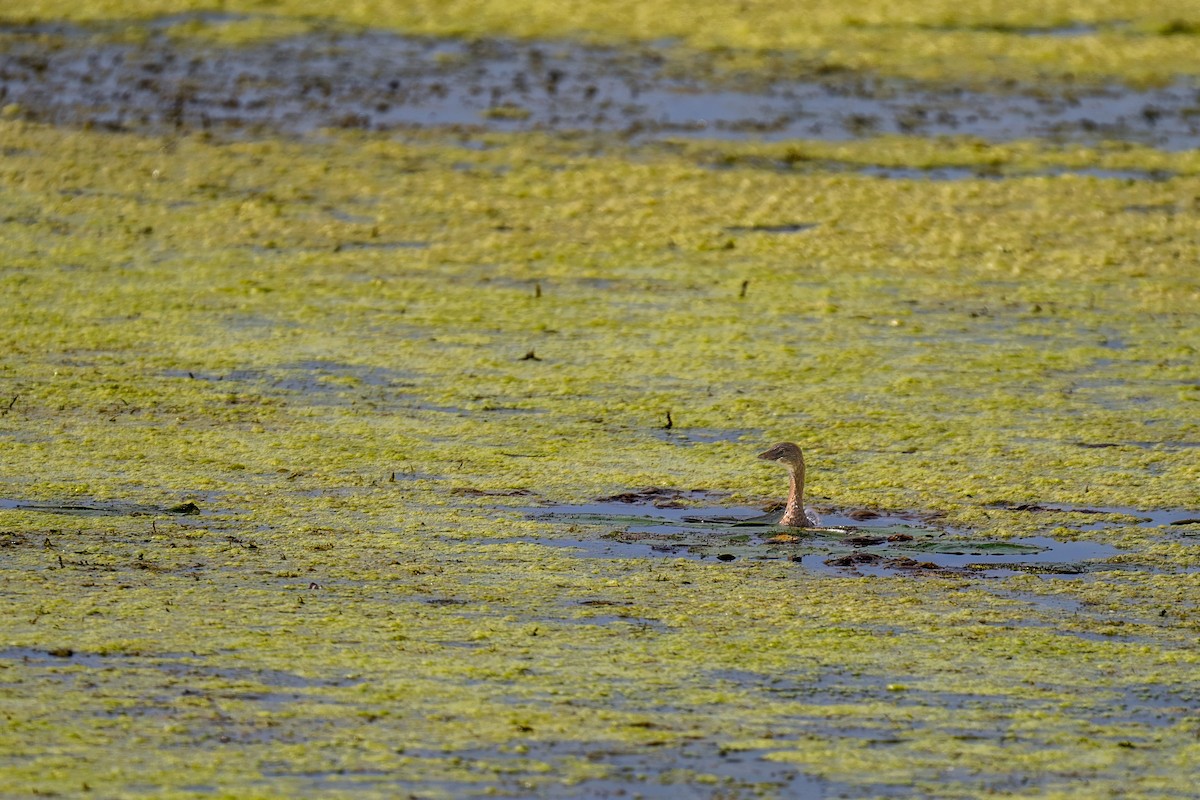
{"x":1153,"y":518}
{"x":660,"y":525}
{"x":378,"y":80}
{"x":100,"y":508}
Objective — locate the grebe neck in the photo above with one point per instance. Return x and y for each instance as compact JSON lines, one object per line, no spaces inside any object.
{"x":793,"y":512}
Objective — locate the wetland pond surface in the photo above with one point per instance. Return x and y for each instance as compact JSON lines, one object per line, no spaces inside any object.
{"x":856,"y":543}
{"x":377,"y":80}
{"x":309,"y":626}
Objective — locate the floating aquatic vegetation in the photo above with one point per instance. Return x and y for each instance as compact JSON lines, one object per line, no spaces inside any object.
{"x":319,"y":341}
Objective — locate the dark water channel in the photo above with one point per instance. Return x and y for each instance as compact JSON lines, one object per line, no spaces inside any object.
{"x":101,"y":76}
{"x":100,"y":508}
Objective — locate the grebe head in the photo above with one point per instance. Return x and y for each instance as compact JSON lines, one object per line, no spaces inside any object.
{"x":785,"y":453}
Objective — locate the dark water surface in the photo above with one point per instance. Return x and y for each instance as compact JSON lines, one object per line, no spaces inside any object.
{"x":862,"y":543}
{"x":376,"y":80}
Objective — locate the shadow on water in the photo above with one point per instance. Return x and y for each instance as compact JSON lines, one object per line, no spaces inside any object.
{"x":862,"y":542}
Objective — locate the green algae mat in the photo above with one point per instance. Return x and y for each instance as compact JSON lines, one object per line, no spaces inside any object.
{"x":411,"y":463}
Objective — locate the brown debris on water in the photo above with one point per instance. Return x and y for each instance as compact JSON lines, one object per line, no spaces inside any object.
{"x":650,"y":494}
{"x":864,"y":540}
{"x":854,"y":560}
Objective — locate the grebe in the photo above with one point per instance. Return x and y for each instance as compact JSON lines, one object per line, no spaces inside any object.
{"x":794,"y":513}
